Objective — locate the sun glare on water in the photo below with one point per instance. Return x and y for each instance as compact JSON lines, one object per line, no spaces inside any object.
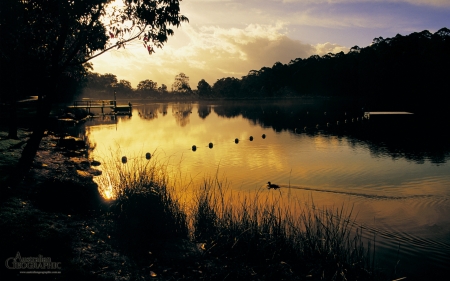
{"x":105,"y":187}
{"x":108,"y":193}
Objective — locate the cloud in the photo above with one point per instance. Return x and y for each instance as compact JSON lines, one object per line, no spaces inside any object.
{"x":325,"y":48}
{"x":210,"y":53}
{"x":435,"y":3}
{"x":230,"y":38}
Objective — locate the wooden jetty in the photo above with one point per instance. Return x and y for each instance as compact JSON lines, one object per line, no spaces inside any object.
{"x":393,"y":121}
{"x":102,"y":105}
{"x":385,"y":114}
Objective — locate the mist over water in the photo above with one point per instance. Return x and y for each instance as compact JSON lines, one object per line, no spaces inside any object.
{"x":395,"y":174}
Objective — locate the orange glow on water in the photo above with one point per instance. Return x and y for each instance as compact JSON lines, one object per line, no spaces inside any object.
{"x":108,"y":192}
{"x":314,"y":162}
{"x":386,"y":194}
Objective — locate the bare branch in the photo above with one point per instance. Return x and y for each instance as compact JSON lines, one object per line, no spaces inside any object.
{"x":113,"y":46}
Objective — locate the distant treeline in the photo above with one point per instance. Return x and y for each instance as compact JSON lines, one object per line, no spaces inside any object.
{"x":403,"y":70}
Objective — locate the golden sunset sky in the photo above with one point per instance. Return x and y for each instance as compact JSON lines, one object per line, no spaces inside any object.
{"x":228,"y":38}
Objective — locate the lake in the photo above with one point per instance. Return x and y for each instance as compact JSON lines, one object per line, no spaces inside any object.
{"x":395,"y":172}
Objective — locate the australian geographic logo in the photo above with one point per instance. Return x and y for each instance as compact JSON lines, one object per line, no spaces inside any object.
{"x":31,"y":263}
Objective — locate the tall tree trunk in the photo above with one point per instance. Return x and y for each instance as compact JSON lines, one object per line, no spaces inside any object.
{"x":32,"y":146}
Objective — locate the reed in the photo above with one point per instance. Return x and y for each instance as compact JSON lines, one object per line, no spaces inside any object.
{"x":248,"y":236}
{"x":276,"y":241}
{"x":142,"y":204}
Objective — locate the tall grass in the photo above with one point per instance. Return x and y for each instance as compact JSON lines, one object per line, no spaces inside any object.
{"x":248,"y":236}
{"x":142,"y":203}
{"x":276,"y":240}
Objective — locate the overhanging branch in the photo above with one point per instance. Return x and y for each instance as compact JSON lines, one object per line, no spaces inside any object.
{"x":111,"y":47}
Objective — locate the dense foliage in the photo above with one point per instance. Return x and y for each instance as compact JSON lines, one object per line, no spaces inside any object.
{"x":403,"y":69}
{"x":49,"y":43}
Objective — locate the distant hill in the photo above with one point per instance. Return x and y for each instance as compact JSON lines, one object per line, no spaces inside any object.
{"x":411,"y":71}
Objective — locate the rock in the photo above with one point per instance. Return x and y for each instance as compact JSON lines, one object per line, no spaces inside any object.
{"x":71,"y":143}
{"x":95,"y":172}
{"x":67,"y":142}
{"x":84,"y":174}
{"x":84,"y":164}
{"x":73,"y":154}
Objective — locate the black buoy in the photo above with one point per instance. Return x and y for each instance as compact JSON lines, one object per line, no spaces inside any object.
{"x":236,"y":140}
{"x":263,"y":136}
{"x":194,"y":148}
{"x":124,"y":159}
{"x":210,"y":145}
{"x":148,"y":156}
{"x":251,"y":138}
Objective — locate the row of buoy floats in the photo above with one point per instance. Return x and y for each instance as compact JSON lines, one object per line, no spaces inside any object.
{"x":329,"y":124}
{"x":148,"y":156}
{"x":236,"y":140}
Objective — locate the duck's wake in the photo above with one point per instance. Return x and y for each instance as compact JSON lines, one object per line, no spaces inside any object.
{"x":372,"y":196}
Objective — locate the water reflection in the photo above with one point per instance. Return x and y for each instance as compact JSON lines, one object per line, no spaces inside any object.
{"x":181,"y":112}
{"x":394,"y":173}
{"x":415,"y":137}
{"x":204,"y":110}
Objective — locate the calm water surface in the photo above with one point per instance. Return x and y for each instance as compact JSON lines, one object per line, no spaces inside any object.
{"x":395,"y":174}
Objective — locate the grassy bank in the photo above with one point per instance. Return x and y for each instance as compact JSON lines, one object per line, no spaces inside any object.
{"x":272,"y":240}
{"x":146,"y":232}
{"x":141,"y":204}
{"x":238,"y":237}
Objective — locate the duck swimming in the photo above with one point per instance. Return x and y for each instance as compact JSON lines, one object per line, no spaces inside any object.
{"x":272,"y":185}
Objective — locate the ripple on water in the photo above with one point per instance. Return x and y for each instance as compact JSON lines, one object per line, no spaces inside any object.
{"x":413,"y":229}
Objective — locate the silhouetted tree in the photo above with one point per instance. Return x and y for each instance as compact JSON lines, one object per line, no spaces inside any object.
{"x":147,"y":88}
{"x":147,"y":85}
{"x":203,"y":89}
{"x":227,"y":87}
{"x":123,"y":89}
{"x":100,"y":86}
{"x":162,"y":89}
{"x":59,"y":37}
{"x":181,"y":84}
{"x":391,"y":72}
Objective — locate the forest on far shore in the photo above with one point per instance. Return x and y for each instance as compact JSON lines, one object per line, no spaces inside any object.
{"x":409,"y":71}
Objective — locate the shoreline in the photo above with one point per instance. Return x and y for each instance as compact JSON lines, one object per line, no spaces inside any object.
{"x":58,"y":215}
{"x":45,"y":218}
